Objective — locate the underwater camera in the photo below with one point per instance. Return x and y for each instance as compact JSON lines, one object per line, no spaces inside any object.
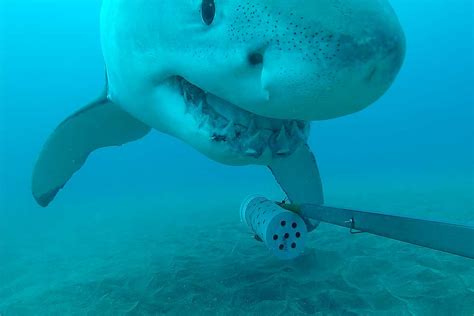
{"x":283,"y":227}
{"x":283,"y":232}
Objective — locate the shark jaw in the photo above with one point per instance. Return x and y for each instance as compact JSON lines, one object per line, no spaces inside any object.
{"x":238,"y":133}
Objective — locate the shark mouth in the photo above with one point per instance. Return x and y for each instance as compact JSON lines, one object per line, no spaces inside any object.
{"x":244,"y":132}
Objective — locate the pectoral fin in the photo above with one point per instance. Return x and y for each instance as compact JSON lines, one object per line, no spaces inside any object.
{"x":298,"y":176}
{"x":100,"y":124}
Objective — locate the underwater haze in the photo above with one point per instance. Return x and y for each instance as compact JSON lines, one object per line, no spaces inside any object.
{"x":153,"y":227}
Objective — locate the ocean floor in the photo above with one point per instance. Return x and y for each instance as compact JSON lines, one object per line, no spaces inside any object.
{"x":175,"y":256}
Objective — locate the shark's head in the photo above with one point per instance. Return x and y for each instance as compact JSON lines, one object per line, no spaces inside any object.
{"x":248,"y":75}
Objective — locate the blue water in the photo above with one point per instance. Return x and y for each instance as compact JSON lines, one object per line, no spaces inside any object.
{"x":153,"y":227}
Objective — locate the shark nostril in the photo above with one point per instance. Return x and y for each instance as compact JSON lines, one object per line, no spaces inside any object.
{"x":255,"y":59}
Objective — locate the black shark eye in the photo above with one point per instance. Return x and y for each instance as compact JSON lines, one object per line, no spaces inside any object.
{"x":208,"y":11}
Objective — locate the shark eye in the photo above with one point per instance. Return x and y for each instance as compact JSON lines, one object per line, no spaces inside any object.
{"x":208,"y":11}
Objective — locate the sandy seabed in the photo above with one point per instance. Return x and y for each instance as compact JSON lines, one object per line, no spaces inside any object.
{"x":112,"y":257}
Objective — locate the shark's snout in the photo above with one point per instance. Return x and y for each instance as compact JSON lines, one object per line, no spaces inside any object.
{"x":381,"y":53}
{"x":314,"y":65}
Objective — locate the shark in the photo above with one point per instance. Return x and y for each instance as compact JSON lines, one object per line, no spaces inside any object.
{"x":240,"y":81}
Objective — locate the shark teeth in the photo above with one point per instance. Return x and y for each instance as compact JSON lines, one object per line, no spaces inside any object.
{"x":296,"y":131}
{"x":200,"y":106}
{"x":244,"y":132}
{"x":229,"y":130}
{"x":205,"y":121}
{"x":251,"y":152}
{"x":254,"y":145}
{"x":186,"y":95}
{"x":252,"y":128}
{"x":282,"y":142}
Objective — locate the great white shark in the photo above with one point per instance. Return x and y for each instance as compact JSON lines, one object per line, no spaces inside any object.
{"x":238,"y":80}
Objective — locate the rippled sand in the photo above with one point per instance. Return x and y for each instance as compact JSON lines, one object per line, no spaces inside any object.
{"x":120,"y":257}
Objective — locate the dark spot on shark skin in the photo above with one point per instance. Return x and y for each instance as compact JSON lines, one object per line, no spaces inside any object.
{"x":310,"y":42}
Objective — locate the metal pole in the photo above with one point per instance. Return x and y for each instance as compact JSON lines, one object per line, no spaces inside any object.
{"x":453,"y":238}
